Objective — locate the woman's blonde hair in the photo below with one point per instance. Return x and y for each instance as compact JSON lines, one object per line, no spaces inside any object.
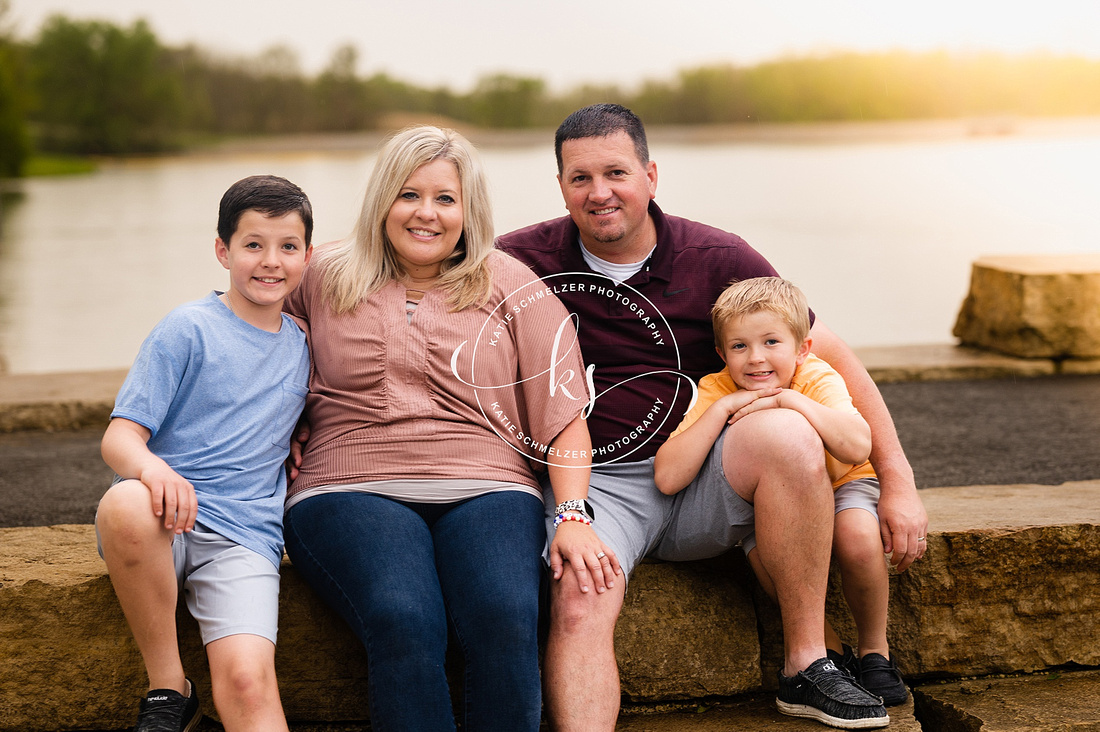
{"x":365,"y":261}
{"x":771,"y":294}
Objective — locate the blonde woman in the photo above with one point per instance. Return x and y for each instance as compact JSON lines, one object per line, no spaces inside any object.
{"x":443,"y":371}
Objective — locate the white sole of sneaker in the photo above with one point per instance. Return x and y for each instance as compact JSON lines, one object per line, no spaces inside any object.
{"x":801,"y":710}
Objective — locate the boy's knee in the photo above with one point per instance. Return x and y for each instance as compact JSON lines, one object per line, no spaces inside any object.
{"x":241,"y":676}
{"x":125,"y":515}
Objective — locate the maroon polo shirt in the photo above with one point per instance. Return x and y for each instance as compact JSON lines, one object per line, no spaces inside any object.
{"x":649,"y":339}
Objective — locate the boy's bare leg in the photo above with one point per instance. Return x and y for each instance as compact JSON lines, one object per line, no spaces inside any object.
{"x":857,"y":546}
{"x":579,"y":667}
{"x":138,"y":552}
{"x":246,"y":693}
{"x":775,"y":460}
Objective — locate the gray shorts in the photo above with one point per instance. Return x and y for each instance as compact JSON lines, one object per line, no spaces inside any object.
{"x":229,"y":589}
{"x":637,"y":520}
{"x":860,"y":493}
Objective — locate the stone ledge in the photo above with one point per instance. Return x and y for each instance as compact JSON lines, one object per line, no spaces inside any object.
{"x":975,"y":605}
{"x":1052,"y":702}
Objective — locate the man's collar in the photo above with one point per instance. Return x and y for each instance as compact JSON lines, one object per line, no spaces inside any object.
{"x":657,"y":267}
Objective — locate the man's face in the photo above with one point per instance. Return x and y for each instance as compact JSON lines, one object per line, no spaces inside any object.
{"x":607,"y":190}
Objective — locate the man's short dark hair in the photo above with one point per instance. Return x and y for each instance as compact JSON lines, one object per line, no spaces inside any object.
{"x":601,"y":120}
{"x":268,"y":194}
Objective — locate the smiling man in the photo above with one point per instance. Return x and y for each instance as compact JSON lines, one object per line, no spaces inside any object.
{"x":641,"y":285}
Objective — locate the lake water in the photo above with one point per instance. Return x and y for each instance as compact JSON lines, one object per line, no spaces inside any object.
{"x":880,"y":233}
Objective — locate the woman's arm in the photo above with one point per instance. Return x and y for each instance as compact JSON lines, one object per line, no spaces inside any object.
{"x":570,"y":464}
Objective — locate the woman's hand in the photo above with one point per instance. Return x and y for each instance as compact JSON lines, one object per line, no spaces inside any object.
{"x":297,"y":447}
{"x":592,"y":561}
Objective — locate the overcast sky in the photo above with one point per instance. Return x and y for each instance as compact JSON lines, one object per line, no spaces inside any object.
{"x":568,"y":42}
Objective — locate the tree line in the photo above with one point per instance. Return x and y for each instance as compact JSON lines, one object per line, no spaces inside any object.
{"x":92,"y":87}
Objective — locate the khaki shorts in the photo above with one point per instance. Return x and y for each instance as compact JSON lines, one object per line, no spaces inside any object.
{"x":637,"y":520}
{"x":229,"y":589}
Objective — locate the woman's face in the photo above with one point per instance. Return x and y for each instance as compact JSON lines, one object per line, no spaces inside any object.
{"x":425,"y":222}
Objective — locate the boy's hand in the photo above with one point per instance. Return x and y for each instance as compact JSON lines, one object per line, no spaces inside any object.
{"x":590,"y":558}
{"x":172,"y":497}
{"x":748,"y":402}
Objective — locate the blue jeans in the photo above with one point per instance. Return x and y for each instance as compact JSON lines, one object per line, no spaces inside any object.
{"x":397,"y":572}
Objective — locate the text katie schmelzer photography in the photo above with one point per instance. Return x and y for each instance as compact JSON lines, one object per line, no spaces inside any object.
{"x":530,"y":302}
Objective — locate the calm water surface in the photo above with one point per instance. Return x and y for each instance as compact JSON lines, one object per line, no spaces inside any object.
{"x":880,"y":235}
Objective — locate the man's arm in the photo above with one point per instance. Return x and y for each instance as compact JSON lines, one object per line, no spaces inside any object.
{"x":902,"y":519}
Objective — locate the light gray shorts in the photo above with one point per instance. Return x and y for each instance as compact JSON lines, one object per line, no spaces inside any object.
{"x":229,"y":589}
{"x":637,"y":520}
{"x":860,"y":493}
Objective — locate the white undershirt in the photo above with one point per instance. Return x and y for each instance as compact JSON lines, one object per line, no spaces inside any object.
{"x":619,"y":273}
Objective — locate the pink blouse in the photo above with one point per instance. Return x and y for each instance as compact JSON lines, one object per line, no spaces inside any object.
{"x":390,"y":399}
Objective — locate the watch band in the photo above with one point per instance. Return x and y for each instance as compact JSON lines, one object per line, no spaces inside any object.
{"x":579,"y":505}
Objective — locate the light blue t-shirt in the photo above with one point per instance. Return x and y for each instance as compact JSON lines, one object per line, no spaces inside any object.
{"x":221,"y":399}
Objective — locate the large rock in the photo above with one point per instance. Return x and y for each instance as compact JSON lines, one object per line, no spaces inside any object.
{"x":1034,"y":307}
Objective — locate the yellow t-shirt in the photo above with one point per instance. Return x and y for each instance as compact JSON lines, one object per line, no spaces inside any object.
{"x":814,"y":378}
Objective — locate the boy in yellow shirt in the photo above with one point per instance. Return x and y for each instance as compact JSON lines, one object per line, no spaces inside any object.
{"x":761,"y":329}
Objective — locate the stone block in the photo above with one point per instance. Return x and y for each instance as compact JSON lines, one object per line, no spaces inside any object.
{"x":1034,"y":307}
{"x":688,"y":630}
{"x":1008,"y":583}
{"x":1049,"y":702}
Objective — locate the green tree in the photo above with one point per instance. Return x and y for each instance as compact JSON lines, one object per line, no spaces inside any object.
{"x":104,"y":89}
{"x":502,"y":100}
{"x":342,"y":99}
{"x":14,"y":142}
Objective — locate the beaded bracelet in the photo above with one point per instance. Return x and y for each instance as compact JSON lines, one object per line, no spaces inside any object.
{"x":572,"y":517}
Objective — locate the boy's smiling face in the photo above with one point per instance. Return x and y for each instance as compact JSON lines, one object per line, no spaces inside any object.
{"x":761,"y":352}
{"x":266,"y":257}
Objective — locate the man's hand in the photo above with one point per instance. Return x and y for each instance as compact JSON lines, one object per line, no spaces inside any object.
{"x":903,"y":523}
{"x":589,"y":558}
{"x":172,"y":497}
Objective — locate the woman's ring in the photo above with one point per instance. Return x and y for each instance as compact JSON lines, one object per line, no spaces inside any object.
{"x":920,"y":538}
{"x":601,"y":555}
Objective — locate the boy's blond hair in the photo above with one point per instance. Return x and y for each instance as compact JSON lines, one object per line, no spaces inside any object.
{"x":770,"y":294}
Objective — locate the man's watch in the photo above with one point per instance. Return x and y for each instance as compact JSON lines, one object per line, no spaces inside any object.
{"x":579,"y":505}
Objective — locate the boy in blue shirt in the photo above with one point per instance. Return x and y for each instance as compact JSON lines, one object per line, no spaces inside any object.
{"x":198,"y":437}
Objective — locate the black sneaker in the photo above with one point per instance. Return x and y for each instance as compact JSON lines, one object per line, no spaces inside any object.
{"x":167,"y":710}
{"x":847,"y":661}
{"x":827,"y":694}
{"x":880,"y":675}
